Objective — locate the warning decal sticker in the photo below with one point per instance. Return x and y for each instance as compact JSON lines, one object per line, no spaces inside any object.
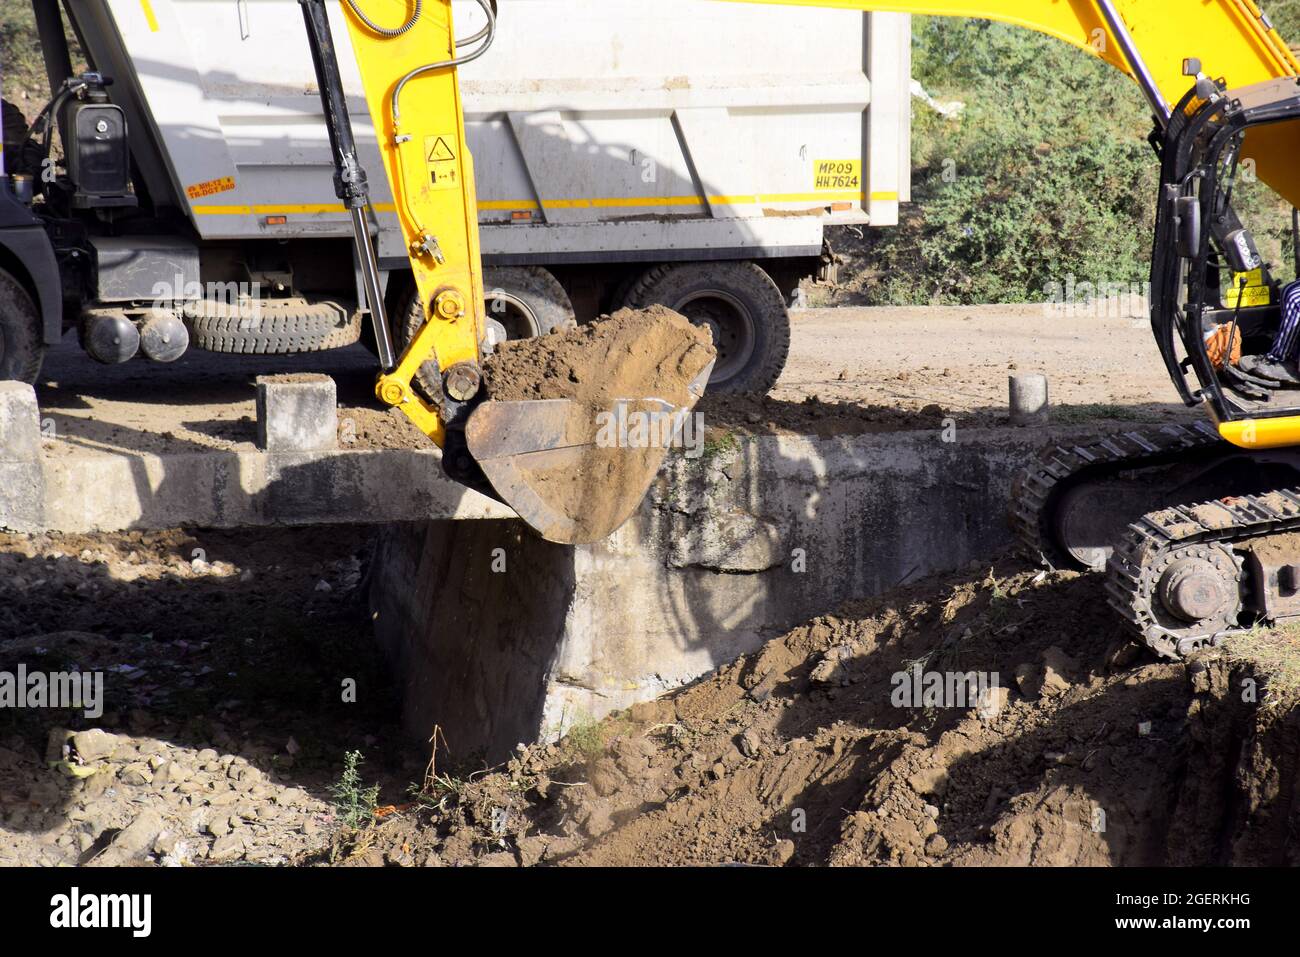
{"x":440,"y":160}
{"x":1255,"y":293}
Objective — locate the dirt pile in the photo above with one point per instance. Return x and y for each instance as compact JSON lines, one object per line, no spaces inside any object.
{"x":226,"y":660}
{"x":752,"y":414}
{"x":827,"y":748}
{"x":362,"y":428}
{"x":1239,"y":803}
{"x":628,"y":355}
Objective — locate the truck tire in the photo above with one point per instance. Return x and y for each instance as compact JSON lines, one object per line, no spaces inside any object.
{"x":21,"y":349}
{"x":527,"y":300}
{"x":739,"y":304}
{"x":272,"y":327}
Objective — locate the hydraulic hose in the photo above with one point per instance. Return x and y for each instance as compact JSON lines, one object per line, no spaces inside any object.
{"x":487,"y":34}
{"x":389,"y":33}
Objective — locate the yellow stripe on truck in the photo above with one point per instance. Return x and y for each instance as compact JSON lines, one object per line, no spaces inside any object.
{"x":625,"y":202}
{"x":201,"y":209}
{"x":149,"y":18}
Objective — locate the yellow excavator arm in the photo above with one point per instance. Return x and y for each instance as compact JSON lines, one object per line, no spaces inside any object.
{"x":1232,"y":38}
{"x":408,"y":69}
{"x":1151,"y":41}
{"x":547,"y":458}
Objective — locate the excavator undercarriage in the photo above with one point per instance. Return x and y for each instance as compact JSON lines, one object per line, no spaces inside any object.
{"x":1196,"y":537}
{"x":1195,"y":526}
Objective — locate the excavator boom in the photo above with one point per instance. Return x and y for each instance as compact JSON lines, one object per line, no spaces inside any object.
{"x":1152,"y":42}
{"x":1233,"y":39}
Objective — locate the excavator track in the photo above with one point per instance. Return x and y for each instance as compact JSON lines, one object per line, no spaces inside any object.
{"x":1205,"y":538}
{"x":1060,"y":467}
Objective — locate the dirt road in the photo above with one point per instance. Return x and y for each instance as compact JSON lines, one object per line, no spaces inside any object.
{"x":959,"y":356}
{"x":879,"y":361}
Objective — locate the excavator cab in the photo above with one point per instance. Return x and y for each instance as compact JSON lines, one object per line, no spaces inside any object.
{"x":1216,"y":301}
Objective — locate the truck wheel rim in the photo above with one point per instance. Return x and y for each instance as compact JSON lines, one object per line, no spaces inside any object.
{"x":730,"y":324}
{"x":519,"y":320}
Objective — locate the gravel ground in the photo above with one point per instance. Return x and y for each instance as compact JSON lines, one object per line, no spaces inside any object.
{"x":226,"y":664}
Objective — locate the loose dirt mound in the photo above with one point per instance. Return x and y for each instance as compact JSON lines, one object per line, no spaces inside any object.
{"x":630,"y":354}
{"x":762,"y":415}
{"x":224,"y":659}
{"x":1239,"y":801}
{"x":362,"y":428}
{"x":1087,"y":753}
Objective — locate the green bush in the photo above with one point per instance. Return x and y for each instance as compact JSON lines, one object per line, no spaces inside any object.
{"x":20,"y":54}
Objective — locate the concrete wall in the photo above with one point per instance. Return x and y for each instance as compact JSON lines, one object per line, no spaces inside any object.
{"x":728,"y":551}
{"x":71,"y":485}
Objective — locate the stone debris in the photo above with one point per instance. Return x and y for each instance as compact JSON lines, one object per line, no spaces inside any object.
{"x":174,"y":772}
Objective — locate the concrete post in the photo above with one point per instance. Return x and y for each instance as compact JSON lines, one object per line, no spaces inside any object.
{"x":1028,"y":399}
{"x":21,"y":484}
{"x":297,"y":413}
{"x":20,"y":423}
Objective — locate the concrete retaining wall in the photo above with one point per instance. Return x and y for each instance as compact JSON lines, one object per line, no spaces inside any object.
{"x":73,"y":486}
{"x":501,"y":638}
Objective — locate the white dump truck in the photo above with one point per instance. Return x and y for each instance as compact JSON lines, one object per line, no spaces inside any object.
{"x":686,"y":152}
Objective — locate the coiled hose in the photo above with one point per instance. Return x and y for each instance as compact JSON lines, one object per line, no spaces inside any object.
{"x":389,"y":33}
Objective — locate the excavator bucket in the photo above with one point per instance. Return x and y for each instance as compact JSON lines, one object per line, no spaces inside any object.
{"x":573,"y":471}
{"x":577,"y":423}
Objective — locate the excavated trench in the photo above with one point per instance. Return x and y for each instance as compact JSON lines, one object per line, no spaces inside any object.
{"x":239,"y":669}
